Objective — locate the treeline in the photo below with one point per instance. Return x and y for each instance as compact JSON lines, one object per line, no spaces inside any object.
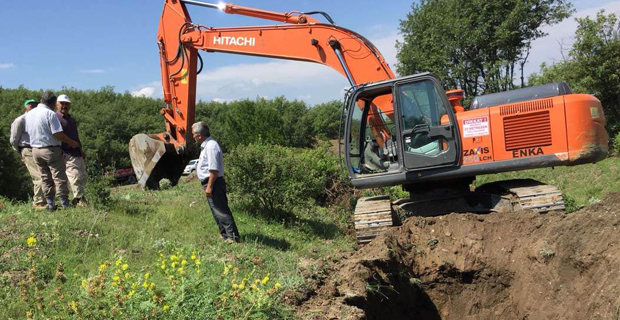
{"x":107,"y":120}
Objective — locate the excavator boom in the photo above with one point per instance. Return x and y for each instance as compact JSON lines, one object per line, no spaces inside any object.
{"x":301,"y":37}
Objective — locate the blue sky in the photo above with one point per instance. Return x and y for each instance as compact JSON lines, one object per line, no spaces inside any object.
{"x":89,"y":44}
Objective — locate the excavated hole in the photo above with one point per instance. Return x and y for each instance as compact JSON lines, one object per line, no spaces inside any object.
{"x":394,"y":292}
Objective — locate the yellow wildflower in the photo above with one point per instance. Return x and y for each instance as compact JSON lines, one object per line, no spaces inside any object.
{"x":184,"y":262}
{"x":174,"y":265}
{"x":253,"y":286}
{"x":116,"y":279}
{"x":118,"y":262}
{"x":126,"y":275}
{"x":145,"y":285}
{"x":152,"y":286}
{"x":181,"y":270}
{"x":235,"y":286}
{"x":134,"y":285}
{"x":31,"y":241}
{"x":102,"y":267}
{"x":197,"y":262}
{"x":84,"y":283}
{"x":193,"y":257}
{"x":174,"y":258}
{"x":131,"y":293}
{"x":242,"y":286}
{"x":166,"y":307}
{"x":125,"y":266}
{"x":277,"y":286}
{"x":74,"y":306}
{"x":256,"y":281}
{"x":265,"y":279}
{"x":147,"y":275}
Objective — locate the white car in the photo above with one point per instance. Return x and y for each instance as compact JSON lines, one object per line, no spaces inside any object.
{"x":190,"y":167}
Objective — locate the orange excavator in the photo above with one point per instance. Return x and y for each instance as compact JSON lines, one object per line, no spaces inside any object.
{"x":397,"y":131}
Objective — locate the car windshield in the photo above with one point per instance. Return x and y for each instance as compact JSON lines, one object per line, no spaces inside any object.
{"x":192,"y":162}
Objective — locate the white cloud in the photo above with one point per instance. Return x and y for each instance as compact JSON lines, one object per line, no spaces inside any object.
{"x":550,"y":49}
{"x":221,"y":100}
{"x":6,"y":65}
{"x":144,"y":92}
{"x":93,"y":71}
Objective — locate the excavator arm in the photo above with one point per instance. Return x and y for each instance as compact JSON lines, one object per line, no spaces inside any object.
{"x":301,"y":38}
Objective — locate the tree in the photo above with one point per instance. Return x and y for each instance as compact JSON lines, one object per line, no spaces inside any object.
{"x":325,"y":119}
{"x":477,"y":46}
{"x":593,"y":65}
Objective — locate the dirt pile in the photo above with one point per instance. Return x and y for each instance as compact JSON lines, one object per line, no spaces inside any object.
{"x":496,"y":266}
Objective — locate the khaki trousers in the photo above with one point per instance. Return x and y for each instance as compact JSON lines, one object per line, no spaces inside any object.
{"x":33,"y":169}
{"x":76,"y":172}
{"x":53,"y":171}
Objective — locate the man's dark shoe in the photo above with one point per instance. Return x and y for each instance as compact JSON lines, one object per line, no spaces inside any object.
{"x":65,"y":203}
{"x":51,"y":207}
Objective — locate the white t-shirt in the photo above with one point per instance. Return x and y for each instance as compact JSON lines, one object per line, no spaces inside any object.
{"x":210,"y":159}
{"x":41,"y":124}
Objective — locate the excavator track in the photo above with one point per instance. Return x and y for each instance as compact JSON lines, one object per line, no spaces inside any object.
{"x":528,"y":194}
{"x":373,"y":216}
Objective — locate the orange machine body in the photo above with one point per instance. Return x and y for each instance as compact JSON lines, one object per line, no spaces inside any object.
{"x":571,"y":127}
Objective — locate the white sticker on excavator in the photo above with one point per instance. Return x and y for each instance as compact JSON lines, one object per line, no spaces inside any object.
{"x":475,"y":127}
{"x":235,"y":41}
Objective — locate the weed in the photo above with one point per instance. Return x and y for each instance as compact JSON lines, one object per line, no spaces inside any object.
{"x":165,"y":184}
{"x":546,"y":252}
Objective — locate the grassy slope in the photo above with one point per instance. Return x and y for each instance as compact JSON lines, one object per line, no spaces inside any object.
{"x":143,"y":222}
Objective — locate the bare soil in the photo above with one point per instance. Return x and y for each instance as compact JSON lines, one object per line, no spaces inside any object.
{"x":522,"y":265}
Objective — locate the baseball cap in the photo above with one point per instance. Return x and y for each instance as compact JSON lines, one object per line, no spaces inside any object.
{"x":29,"y":101}
{"x":63,"y":98}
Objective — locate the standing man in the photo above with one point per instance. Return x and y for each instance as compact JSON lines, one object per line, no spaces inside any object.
{"x":210,"y":171}
{"x":46,"y":134}
{"x":74,"y":157}
{"x":21,"y":143}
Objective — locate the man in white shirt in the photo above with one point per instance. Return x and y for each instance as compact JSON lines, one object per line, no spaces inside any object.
{"x":210,"y":171}
{"x":20,"y":140}
{"x":46,"y":135}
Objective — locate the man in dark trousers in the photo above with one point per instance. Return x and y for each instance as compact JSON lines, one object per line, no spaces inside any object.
{"x":210,"y":171}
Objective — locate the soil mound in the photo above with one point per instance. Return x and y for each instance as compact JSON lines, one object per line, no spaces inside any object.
{"x":522,"y":265}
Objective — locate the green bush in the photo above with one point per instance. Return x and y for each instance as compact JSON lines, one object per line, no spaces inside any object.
{"x":98,"y":189}
{"x":272,"y":180}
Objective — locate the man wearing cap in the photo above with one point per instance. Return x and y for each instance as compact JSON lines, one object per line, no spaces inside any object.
{"x":74,"y":157}
{"x":46,"y":134}
{"x":20,"y":140}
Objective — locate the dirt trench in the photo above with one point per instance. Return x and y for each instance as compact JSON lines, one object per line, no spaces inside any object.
{"x":470,"y":266}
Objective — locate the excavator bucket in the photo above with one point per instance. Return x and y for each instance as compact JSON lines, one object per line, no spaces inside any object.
{"x":153,"y":159}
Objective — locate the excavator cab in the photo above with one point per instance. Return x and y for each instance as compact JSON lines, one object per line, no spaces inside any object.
{"x":392,"y":144}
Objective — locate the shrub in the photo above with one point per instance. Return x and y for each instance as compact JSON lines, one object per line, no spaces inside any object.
{"x":272,"y":180}
{"x":98,"y":188}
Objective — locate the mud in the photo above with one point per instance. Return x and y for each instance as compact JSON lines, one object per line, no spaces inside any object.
{"x":470,"y":266}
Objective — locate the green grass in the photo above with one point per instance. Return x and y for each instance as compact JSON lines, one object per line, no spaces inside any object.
{"x":143,"y":223}
{"x":582,"y":184}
